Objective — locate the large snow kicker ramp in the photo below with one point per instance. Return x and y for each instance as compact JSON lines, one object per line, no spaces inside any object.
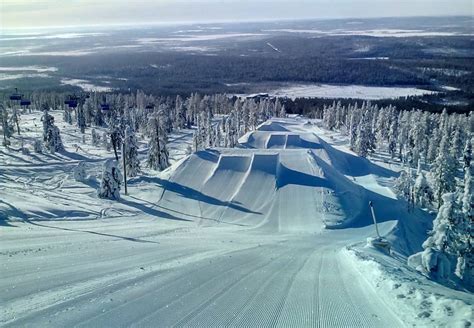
{"x":280,"y":140}
{"x":284,"y":190}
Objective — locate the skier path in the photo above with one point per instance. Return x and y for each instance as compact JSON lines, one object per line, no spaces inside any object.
{"x":125,"y":275}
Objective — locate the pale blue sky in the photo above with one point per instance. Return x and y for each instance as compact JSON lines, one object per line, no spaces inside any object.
{"x":45,"y":13}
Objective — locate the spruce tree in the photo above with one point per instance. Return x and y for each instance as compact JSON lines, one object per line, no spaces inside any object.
{"x":51,"y":133}
{"x":465,"y":260}
{"x":131,"y":153}
{"x":444,"y":171}
{"x":111,"y":181}
{"x":158,"y":157}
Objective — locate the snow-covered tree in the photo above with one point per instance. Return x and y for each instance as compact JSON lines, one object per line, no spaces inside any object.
{"x":105,"y":141}
{"x":79,"y":172}
{"x":16,"y":119}
{"x":51,"y":134}
{"x":422,"y":193}
{"x":81,"y":119}
{"x":38,"y":146}
{"x":180,"y":117}
{"x":131,"y":153}
{"x":440,"y":246}
{"x":89,"y":111}
{"x":111,"y":181}
{"x":465,"y":260}
{"x":444,"y":170}
{"x":95,"y":137}
{"x":363,"y":142}
{"x":467,"y":153}
{"x":393,"y":137}
{"x":404,"y":187}
{"x":282,"y":112}
{"x":353,"y":129}
{"x":115,"y":138}
{"x":5,"y":126}
{"x":158,"y":157}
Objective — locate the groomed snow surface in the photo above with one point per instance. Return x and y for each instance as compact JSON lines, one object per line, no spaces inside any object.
{"x":253,"y":236}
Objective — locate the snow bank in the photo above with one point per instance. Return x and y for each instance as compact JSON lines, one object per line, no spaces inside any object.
{"x":415,"y":299}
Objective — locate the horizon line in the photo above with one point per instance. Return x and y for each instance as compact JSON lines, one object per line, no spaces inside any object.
{"x":227,"y":21}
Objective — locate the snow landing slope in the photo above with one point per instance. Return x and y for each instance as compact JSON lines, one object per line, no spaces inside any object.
{"x":278,"y":180}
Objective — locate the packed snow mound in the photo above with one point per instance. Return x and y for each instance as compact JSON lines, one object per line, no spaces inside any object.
{"x":280,"y":140}
{"x":285,"y":190}
{"x":271,"y":126}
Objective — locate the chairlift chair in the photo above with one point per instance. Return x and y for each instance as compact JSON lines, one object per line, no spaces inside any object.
{"x":25,"y":103}
{"x":16,"y":96}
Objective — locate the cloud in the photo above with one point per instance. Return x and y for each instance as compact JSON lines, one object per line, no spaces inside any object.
{"x":39,"y":13}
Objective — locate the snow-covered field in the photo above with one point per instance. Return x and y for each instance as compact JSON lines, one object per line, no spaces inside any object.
{"x":85,"y":85}
{"x":394,"y":33}
{"x":346,"y":91}
{"x":269,"y":234}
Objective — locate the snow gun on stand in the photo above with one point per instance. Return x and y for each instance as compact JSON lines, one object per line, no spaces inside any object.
{"x":378,"y":242}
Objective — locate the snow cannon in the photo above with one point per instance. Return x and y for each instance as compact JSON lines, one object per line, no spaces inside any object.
{"x":378,"y":242}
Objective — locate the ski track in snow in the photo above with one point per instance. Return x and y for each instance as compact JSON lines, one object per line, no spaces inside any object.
{"x":279,"y":281}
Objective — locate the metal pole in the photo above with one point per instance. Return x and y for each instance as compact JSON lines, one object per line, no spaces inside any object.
{"x":373,"y":217}
{"x":124,"y":167}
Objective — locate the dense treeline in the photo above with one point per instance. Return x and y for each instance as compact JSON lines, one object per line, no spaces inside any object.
{"x":442,"y":144}
{"x":306,"y":106}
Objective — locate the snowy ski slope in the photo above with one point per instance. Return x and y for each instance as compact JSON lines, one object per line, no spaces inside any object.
{"x":251,"y":236}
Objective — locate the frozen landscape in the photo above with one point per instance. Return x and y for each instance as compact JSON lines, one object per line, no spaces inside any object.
{"x":271,"y":233}
{"x":236,"y":163}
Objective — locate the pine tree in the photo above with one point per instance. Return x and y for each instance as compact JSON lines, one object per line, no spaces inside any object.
{"x":465,"y":260}
{"x":404,"y":186}
{"x":51,"y":134}
{"x":95,"y":137}
{"x":115,"y":134}
{"x":67,"y":117}
{"x":79,"y":172}
{"x":158,"y":158}
{"x":131,"y":153}
{"x":422,"y":193}
{"x":5,"y":126}
{"x":444,"y":171}
{"x":467,"y":153}
{"x":393,"y":137}
{"x":353,"y":130}
{"x":111,"y":181}
{"x":88,"y":111}
{"x":441,"y":244}
{"x":362,"y":144}
{"x":16,"y":119}
{"x":282,"y":112}
{"x":38,"y":146}
{"x":81,"y":119}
